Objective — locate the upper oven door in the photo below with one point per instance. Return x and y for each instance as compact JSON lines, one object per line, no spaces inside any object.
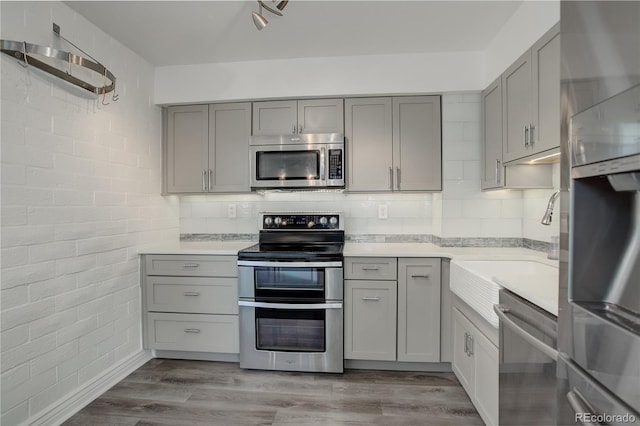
{"x":290,"y":281}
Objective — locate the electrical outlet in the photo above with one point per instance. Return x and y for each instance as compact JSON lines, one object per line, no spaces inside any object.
{"x":231,"y":211}
{"x":383,"y":212}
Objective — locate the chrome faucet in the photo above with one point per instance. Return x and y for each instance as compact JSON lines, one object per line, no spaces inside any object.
{"x":546,"y":219}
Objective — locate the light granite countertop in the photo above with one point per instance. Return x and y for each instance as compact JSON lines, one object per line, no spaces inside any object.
{"x":229,"y":248}
{"x":531,"y":288}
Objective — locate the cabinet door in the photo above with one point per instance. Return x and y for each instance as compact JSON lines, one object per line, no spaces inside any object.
{"x":368,"y":135}
{"x":486,"y":357}
{"x":462,"y":364}
{"x":187,"y":148}
{"x":275,"y":117}
{"x":516,"y":104}
{"x":419,"y":310}
{"x":417,"y":143}
{"x":321,"y":116}
{"x":229,"y":131}
{"x":492,"y":169}
{"x":546,"y":91}
{"x":370,"y":320}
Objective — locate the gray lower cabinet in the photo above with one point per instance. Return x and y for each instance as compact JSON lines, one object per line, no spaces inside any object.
{"x":207,"y":148}
{"x":392,"y":309}
{"x":394,"y":143}
{"x":298,"y":116}
{"x":531,"y":100}
{"x":190,"y":303}
{"x":476,"y":362}
{"x":419,"y":310}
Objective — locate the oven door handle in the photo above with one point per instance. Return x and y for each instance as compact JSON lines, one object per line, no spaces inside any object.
{"x":297,"y":306}
{"x":290,"y":264}
{"x":502,"y":313}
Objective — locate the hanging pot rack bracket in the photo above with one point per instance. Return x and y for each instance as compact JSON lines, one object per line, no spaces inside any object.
{"x":24,"y":51}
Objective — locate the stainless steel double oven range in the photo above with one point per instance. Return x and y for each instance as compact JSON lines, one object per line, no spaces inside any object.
{"x":291,"y":294}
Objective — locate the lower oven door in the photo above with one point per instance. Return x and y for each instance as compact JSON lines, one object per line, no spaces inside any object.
{"x":291,"y":336}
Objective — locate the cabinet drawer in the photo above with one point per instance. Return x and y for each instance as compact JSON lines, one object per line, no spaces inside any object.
{"x":193,"y":332}
{"x":371,"y":268}
{"x":191,"y":265}
{"x":191,"y":294}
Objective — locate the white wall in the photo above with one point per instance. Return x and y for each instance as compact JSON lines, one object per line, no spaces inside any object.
{"x":308,"y":77}
{"x":532,"y":19}
{"x":80,"y":192}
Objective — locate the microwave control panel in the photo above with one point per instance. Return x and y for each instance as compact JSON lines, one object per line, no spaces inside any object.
{"x":335,"y":164}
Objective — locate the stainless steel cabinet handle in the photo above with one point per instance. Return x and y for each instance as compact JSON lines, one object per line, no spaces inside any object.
{"x":526,"y":136}
{"x":204,"y":180}
{"x":322,"y":166}
{"x":498,"y":171}
{"x":470,"y":346}
{"x":191,"y":293}
{"x":466,"y":343}
{"x":373,"y":299}
{"x":370,"y":268}
{"x":502,"y":313}
{"x":190,"y":265}
{"x":210,"y":178}
{"x":425,"y":276}
{"x":294,"y":129}
{"x":300,"y":128}
{"x":580,"y":406}
{"x":192,"y":330}
{"x":391,"y":178}
{"x":397,"y":177}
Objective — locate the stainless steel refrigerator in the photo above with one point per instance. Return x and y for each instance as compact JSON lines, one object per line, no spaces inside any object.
{"x":598,"y":369}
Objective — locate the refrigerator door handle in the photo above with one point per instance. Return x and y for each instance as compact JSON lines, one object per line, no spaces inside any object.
{"x":502,"y":313}
{"x":581,"y":407}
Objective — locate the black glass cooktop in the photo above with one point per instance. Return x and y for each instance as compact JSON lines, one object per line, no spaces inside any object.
{"x":299,"y":252}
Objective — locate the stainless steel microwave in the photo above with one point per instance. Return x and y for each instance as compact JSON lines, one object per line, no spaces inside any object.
{"x":304,"y":161}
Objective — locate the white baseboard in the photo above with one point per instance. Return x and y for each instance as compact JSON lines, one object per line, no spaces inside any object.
{"x":70,"y":404}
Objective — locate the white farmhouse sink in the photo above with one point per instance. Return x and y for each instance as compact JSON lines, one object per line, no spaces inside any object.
{"x":477,"y":283}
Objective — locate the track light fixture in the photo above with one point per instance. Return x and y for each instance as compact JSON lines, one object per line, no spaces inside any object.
{"x":274,"y":6}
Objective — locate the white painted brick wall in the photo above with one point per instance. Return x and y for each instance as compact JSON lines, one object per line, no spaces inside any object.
{"x":80,"y":192}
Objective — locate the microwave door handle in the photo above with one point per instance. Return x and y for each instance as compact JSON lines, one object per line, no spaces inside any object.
{"x":322,"y":164}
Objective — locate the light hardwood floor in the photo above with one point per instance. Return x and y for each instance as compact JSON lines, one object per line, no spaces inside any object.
{"x":195,"y":393}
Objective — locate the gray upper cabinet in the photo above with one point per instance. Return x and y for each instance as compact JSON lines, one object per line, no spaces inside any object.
{"x":208,"y":148}
{"x":394,"y":144}
{"x":531,"y":100}
{"x":369,"y":135}
{"x":546,"y":91}
{"x":275,"y":117}
{"x":417,"y":143}
{"x":229,"y":132}
{"x":492,"y":170}
{"x":516,"y":103}
{"x":301,"y":116}
{"x":187,"y":148}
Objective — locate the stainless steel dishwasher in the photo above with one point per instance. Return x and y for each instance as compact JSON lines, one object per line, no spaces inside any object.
{"x":528,"y":355}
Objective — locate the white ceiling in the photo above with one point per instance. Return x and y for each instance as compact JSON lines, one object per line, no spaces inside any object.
{"x":196,"y":32}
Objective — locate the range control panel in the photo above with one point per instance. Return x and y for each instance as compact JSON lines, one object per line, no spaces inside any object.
{"x":319,"y":221}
